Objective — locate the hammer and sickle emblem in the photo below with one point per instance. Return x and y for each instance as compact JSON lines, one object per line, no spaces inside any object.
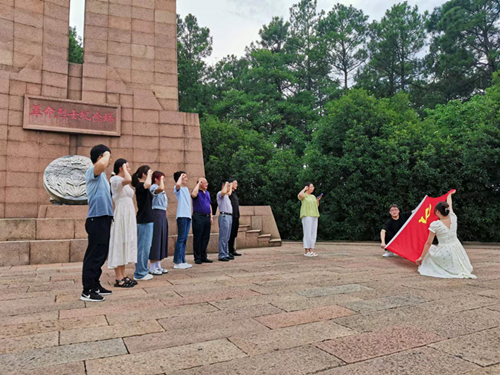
{"x":427,"y":214}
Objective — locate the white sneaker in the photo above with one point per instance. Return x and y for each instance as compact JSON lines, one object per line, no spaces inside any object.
{"x":179,"y":266}
{"x":145,"y":278}
{"x":307,"y":254}
{"x":313,"y":254}
{"x":156,"y":272}
{"x":162,"y":270}
{"x":187,"y":265}
{"x":389,"y":254}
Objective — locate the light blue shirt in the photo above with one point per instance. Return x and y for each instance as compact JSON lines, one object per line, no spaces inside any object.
{"x":160,"y":201}
{"x":224,"y":203}
{"x":184,"y":202}
{"x":98,"y":194}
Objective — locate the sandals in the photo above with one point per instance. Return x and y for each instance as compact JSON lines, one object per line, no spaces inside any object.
{"x":133,"y":282}
{"x":124,"y":283}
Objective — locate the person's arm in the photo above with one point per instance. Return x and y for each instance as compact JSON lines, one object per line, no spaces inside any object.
{"x":302,"y":192}
{"x":427,"y":246}
{"x":178,"y":184}
{"x":449,"y":200}
{"x":224,"y":189}
{"x":101,"y":164}
{"x":161,"y":186}
{"x":149,"y":178}
{"x":127,"y":178}
{"x":196,"y":190}
{"x":382,"y":239}
{"x":230,"y":189}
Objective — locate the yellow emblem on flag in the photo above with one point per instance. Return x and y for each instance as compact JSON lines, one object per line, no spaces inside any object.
{"x":427,"y":214}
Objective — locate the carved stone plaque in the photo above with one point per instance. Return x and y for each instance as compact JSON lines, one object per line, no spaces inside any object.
{"x":71,"y":116}
{"x":64,"y":180}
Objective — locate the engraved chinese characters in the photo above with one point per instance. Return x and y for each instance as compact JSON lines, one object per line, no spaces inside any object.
{"x":70,"y":116}
{"x":64,"y":180}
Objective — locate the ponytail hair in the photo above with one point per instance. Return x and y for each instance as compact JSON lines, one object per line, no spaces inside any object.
{"x":443,"y":208}
{"x":141,"y":171}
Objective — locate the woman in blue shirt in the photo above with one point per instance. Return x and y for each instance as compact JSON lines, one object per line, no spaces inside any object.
{"x":159,"y":248}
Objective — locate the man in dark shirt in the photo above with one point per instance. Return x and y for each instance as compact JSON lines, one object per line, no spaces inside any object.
{"x":235,"y":202}
{"x":392,"y":227}
{"x":202,"y":221}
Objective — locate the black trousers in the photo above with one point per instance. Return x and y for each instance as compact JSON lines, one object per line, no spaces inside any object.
{"x":234,"y":233}
{"x":201,"y":236}
{"x":98,"y":229}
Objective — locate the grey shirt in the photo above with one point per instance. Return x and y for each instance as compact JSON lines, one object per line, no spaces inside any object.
{"x":224,"y":203}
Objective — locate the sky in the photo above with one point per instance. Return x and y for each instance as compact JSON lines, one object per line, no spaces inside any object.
{"x":234,"y":24}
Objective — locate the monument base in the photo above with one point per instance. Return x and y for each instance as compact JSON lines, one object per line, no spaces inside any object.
{"x":58,"y":235}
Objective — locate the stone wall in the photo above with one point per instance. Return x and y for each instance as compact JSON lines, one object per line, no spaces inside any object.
{"x":130,"y":60}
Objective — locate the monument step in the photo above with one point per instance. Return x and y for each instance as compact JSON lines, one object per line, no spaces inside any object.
{"x":25,"y":252}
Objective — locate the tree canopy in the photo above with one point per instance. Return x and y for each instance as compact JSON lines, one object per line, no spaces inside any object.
{"x":373,"y":113}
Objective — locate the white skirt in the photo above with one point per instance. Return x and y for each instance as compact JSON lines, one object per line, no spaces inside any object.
{"x":448,"y":261}
{"x":123,"y":240}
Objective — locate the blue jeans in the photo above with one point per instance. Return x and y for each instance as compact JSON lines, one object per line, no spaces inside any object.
{"x":225,"y":223}
{"x":183,"y":226}
{"x":144,"y":240}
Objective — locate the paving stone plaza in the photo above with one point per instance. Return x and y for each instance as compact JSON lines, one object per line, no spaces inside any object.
{"x":271,"y":311}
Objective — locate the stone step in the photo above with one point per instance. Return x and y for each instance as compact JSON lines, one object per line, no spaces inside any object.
{"x":275,"y":242}
{"x":264,"y":240}
{"x":255,"y":232}
{"x":252,"y":238}
{"x":243,"y":228}
{"x":25,"y":252}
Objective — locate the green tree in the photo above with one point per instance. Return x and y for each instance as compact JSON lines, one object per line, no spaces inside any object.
{"x":194,"y":44}
{"x":308,"y":56}
{"x":344,"y":32}
{"x":395,"y":42}
{"x":75,"y":50}
{"x":465,"y":48}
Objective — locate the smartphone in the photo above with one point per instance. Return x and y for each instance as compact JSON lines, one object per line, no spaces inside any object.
{"x":319,"y":196}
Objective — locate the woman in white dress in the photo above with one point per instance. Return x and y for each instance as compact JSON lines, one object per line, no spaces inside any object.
{"x":123,"y":240}
{"x":448,"y":259}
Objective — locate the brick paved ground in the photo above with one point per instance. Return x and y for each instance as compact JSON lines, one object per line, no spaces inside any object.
{"x":272,"y":311}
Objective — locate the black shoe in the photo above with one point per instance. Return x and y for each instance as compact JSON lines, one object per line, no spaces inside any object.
{"x":91,"y":297}
{"x":235,"y":254}
{"x":198,"y":261}
{"x":230,"y":257}
{"x":103,"y":291}
{"x":224,"y":259}
{"x":207,"y":261}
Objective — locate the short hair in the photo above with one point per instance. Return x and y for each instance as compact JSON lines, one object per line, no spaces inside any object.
{"x":443,"y":208}
{"x":143,"y":169}
{"x":177,"y":175}
{"x":118,"y":164}
{"x":98,"y":151}
{"x":157,"y":175}
{"x":308,"y":184}
{"x":393,"y":205}
{"x":232,"y":179}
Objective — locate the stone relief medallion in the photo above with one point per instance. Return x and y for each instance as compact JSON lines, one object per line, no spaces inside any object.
{"x":64,"y":180}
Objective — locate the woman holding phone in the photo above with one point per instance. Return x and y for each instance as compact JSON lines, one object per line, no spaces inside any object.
{"x":309,"y":215}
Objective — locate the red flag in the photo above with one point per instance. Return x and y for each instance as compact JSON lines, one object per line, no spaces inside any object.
{"x":410,"y":240}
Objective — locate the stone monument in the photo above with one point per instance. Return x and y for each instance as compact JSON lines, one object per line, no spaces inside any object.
{"x":124,"y":94}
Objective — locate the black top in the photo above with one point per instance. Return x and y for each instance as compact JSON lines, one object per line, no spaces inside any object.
{"x":393,"y":226}
{"x":235,"y":202}
{"x":144,"y":204}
